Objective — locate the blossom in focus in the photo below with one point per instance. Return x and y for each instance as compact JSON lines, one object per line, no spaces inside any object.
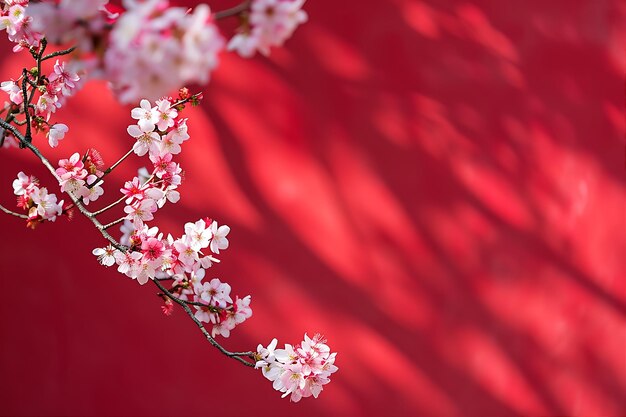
{"x":146,"y":116}
{"x":146,"y":140}
{"x":92,"y":193}
{"x":63,"y":80}
{"x":106,"y":255}
{"x":299,"y":371}
{"x":47,"y":206}
{"x":23,"y":184}
{"x":198,"y":234}
{"x":219,"y":240}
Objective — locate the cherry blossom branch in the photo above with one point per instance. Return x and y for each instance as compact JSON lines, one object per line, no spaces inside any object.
{"x":110,"y":206}
{"x":194,"y":303}
{"x":11,"y":129}
{"x":299,"y":370}
{"x":58,"y":53}
{"x":235,"y":355}
{"x":193,"y":99}
{"x":233,"y":11}
{"x":24,"y":143}
{"x":27,"y":138}
{"x":111,"y":168}
{"x":12,"y":213}
{"x":113,"y":223}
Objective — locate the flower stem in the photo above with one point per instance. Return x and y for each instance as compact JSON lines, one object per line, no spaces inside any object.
{"x":110,"y":206}
{"x":12,"y":213}
{"x":111,"y":168}
{"x":113,"y":223}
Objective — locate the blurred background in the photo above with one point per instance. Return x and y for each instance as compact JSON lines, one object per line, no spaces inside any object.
{"x":436,"y":186}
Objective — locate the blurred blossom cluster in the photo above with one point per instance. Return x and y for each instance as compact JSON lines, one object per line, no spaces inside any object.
{"x":147,"y":48}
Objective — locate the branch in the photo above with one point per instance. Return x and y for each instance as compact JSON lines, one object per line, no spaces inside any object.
{"x":111,"y":168}
{"x":58,"y":53}
{"x":110,"y":206}
{"x":113,"y":223}
{"x":75,"y":200}
{"x":232,"y":11}
{"x":12,"y":213}
{"x":235,"y":355}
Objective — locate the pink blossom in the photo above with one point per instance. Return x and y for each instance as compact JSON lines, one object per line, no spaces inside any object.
{"x":23,"y":185}
{"x":271,"y":23}
{"x":219,"y":240}
{"x":106,"y":255}
{"x":89,"y":194}
{"x":73,"y":165}
{"x":165,"y":114}
{"x":63,"y":80}
{"x":134,"y":190}
{"x":127,"y":262}
{"x":56,"y":133}
{"x":146,"y":140}
{"x":198,"y":234}
{"x":47,"y":104}
{"x":71,"y":182}
{"x":13,"y":20}
{"x":163,"y":164}
{"x":146,"y":270}
{"x":153,"y":249}
{"x":301,"y":371}
{"x":13,"y":90}
{"x":47,"y":206}
{"x":242,"y":310}
{"x":142,"y":210}
{"x":155,"y":49}
{"x":214,"y":293}
{"x":186,"y":254}
{"x":146,"y":115}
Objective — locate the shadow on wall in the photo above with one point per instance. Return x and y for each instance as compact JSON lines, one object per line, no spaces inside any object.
{"x":447,"y":177}
{"x":435,"y":186}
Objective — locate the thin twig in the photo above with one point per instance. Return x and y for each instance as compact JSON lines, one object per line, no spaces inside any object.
{"x":12,"y":213}
{"x":197,"y":303}
{"x":232,"y":11}
{"x":111,"y":168}
{"x":58,"y":53}
{"x":75,"y":200}
{"x":113,"y":223}
{"x":27,"y":138}
{"x":186,"y":100}
{"x":110,"y":206}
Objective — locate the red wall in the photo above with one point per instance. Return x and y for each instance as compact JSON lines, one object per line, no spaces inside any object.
{"x":437,"y":186}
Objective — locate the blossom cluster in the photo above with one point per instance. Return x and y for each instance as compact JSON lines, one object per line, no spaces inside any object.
{"x":18,"y":24}
{"x":159,"y":132}
{"x":70,"y":21}
{"x":300,"y":370}
{"x":36,"y":200}
{"x":52,"y":93}
{"x":151,"y":255}
{"x":270,"y":23}
{"x":147,"y":48}
{"x":154,"y":49}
